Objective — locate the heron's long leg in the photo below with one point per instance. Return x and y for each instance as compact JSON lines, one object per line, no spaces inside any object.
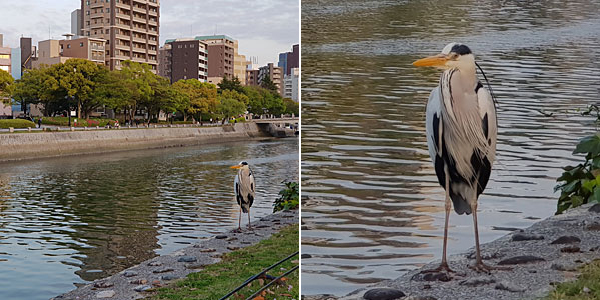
{"x":240,"y":219}
{"x":448,"y":207}
{"x":479,"y":265}
{"x":249,"y":226}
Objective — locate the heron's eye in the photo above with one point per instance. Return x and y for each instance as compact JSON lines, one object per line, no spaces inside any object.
{"x":454,"y":56}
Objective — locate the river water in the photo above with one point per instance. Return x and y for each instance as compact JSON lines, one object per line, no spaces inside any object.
{"x":372,"y":207}
{"x":71,"y":220}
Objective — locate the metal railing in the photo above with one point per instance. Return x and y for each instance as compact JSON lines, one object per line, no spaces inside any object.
{"x":263,"y":272}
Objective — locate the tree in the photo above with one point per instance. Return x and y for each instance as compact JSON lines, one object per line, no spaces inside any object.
{"x":291,"y":106}
{"x":164,"y":98}
{"x":6,"y":86}
{"x":261,"y":101}
{"x":38,"y":86}
{"x":77,"y":80}
{"x":138,"y":80}
{"x":202,"y":97}
{"x":229,"y":107}
{"x":268,"y":84}
{"x":233,"y":84}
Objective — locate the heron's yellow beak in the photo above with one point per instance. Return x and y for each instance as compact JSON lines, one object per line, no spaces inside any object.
{"x":236,"y":166}
{"x":432,"y":61}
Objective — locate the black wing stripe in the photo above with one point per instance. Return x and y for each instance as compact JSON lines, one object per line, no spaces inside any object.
{"x":436,"y":132}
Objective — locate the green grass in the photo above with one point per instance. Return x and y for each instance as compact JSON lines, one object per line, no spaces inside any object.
{"x":218,"y":279}
{"x":16,"y":123}
{"x":589,"y":278}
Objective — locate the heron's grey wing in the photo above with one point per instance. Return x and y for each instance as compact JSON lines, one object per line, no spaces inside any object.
{"x":252,"y":193}
{"x":487,"y":111}
{"x":247,"y":186}
{"x":434,"y":131}
{"x":236,"y":188}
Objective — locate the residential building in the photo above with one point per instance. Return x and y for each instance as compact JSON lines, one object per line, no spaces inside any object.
{"x":274,"y":73}
{"x":252,"y":77}
{"x":76,"y":23}
{"x":52,"y":52}
{"x":291,"y":84}
{"x":188,"y":59}
{"x":164,"y":61}
{"x":289,"y":60}
{"x":5,"y":64}
{"x":239,"y":64}
{"x":221,"y":51}
{"x":282,"y":63}
{"x":28,"y":52}
{"x":130,"y":28}
{"x":5,"y":52}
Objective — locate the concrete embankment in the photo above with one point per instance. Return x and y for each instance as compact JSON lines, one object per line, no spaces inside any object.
{"x":549,"y":251}
{"x":17,"y":146}
{"x":156,"y":272}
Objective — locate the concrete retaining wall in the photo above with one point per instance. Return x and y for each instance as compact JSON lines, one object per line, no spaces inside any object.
{"x":17,"y":146}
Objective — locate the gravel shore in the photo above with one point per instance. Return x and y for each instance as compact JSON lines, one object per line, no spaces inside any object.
{"x":546,"y":253}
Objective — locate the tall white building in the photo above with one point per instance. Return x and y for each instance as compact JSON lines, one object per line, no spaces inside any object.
{"x":292,"y":84}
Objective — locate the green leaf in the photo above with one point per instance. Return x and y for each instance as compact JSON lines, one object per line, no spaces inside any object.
{"x":589,"y":185}
{"x":596,"y":162}
{"x":576,"y":201}
{"x":590,"y":144}
{"x":571,"y":186}
{"x":595,"y":197}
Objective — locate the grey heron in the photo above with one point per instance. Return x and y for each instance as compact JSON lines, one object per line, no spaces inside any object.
{"x":461,"y":136}
{"x":244,"y":188}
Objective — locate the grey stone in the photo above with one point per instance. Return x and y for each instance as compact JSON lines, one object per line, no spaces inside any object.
{"x":477,"y":281}
{"x":566,"y":239}
{"x":563,"y":267}
{"x":155,"y":264}
{"x":220,"y":237}
{"x":106,"y":294}
{"x":130,"y":273}
{"x":103,"y":284}
{"x":142,"y":288}
{"x":163,"y":270}
{"x":440,"y":276}
{"x":526,"y":237}
{"x":595,"y":226}
{"x":169,"y":277}
{"x":570,"y":249}
{"x":507,"y":286}
{"x":595,"y":208}
{"x":523,"y":259}
{"x":419,"y":298}
{"x":305,"y":256}
{"x":383,"y":294}
{"x":187,"y":259}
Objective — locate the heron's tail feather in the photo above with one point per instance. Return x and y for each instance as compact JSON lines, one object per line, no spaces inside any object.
{"x":461,"y":205}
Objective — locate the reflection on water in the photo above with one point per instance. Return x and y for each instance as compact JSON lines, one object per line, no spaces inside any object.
{"x":372,"y":207}
{"x":76,"y":219}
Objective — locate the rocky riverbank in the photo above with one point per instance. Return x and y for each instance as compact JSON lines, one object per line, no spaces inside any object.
{"x":548,"y":252}
{"x":132,"y":283}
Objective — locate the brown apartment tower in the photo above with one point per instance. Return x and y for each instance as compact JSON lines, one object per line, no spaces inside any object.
{"x":130,"y":28}
{"x":221,"y":51}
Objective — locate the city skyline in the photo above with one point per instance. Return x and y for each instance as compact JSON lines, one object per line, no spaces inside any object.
{"x":261,"y":27}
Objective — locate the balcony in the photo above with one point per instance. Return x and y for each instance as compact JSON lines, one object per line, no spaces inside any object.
{"x":140,"y":20}
{"x":139,"y":9}
{"x":152,"y":52}
{"x":152,"y":22}
{"x":97,"y":15}
{"x":122,"y":25}
{"x":119,"y":14}
{"x":122,"y":37}
{"x":139,"y":49}
{"x":139,"y":39}
{"x":96,"y":47}
{"x":122,"y":47}
{"x":153,"y":13}
{"x":122,"y":5}
{"x":97,"y":25}
{"x":96,"y":4}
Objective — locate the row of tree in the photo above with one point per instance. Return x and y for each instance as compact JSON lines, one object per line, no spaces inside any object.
{"x":84,"y":86}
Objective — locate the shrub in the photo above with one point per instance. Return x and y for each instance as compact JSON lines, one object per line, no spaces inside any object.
{"x":64,"y":121}
{"x":289,"y":198}
{"x":581,"y":184}
{"x":16,"y":123}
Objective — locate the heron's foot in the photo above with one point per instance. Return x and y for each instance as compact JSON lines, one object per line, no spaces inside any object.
{"x":250,"y":227}
{"x":443,"y":267}
{"x":480,"y":267}
{"x":238,"y":230}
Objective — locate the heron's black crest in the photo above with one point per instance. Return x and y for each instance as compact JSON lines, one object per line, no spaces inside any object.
{"x":461,"y":49}
{"x":244,"y":163}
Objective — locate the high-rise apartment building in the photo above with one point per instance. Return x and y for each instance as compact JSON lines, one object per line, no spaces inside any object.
{"x":239,"y":65}
{"x":76,"y":23}
{"x":130,"y":28}
{"x":221,"y":51}
{"x":5,"y":56}
{"x":52,"y":52}
{"x":291,"y":84}
{"x":274,"y":73}
{"x":251,"y":77}
{"x":184,"y":59}
{"x":289,"y":60}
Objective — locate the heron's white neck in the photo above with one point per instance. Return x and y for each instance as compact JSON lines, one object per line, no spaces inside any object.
{"x":465,"y":65}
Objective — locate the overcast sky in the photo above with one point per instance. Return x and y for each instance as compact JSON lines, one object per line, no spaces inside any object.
{"x":264,"y":28}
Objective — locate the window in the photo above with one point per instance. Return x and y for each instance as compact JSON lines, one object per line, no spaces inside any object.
{"x":5,"y":68}
{"x":108,"y":10}
{"x":87,"y":33}
{"x":81,"y":44}
{"x":87,"y":2}
{"x":87,"y":23}
{"x":68,"y":46}
{"x":87,"y":13}
{"x":4,"y":56}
